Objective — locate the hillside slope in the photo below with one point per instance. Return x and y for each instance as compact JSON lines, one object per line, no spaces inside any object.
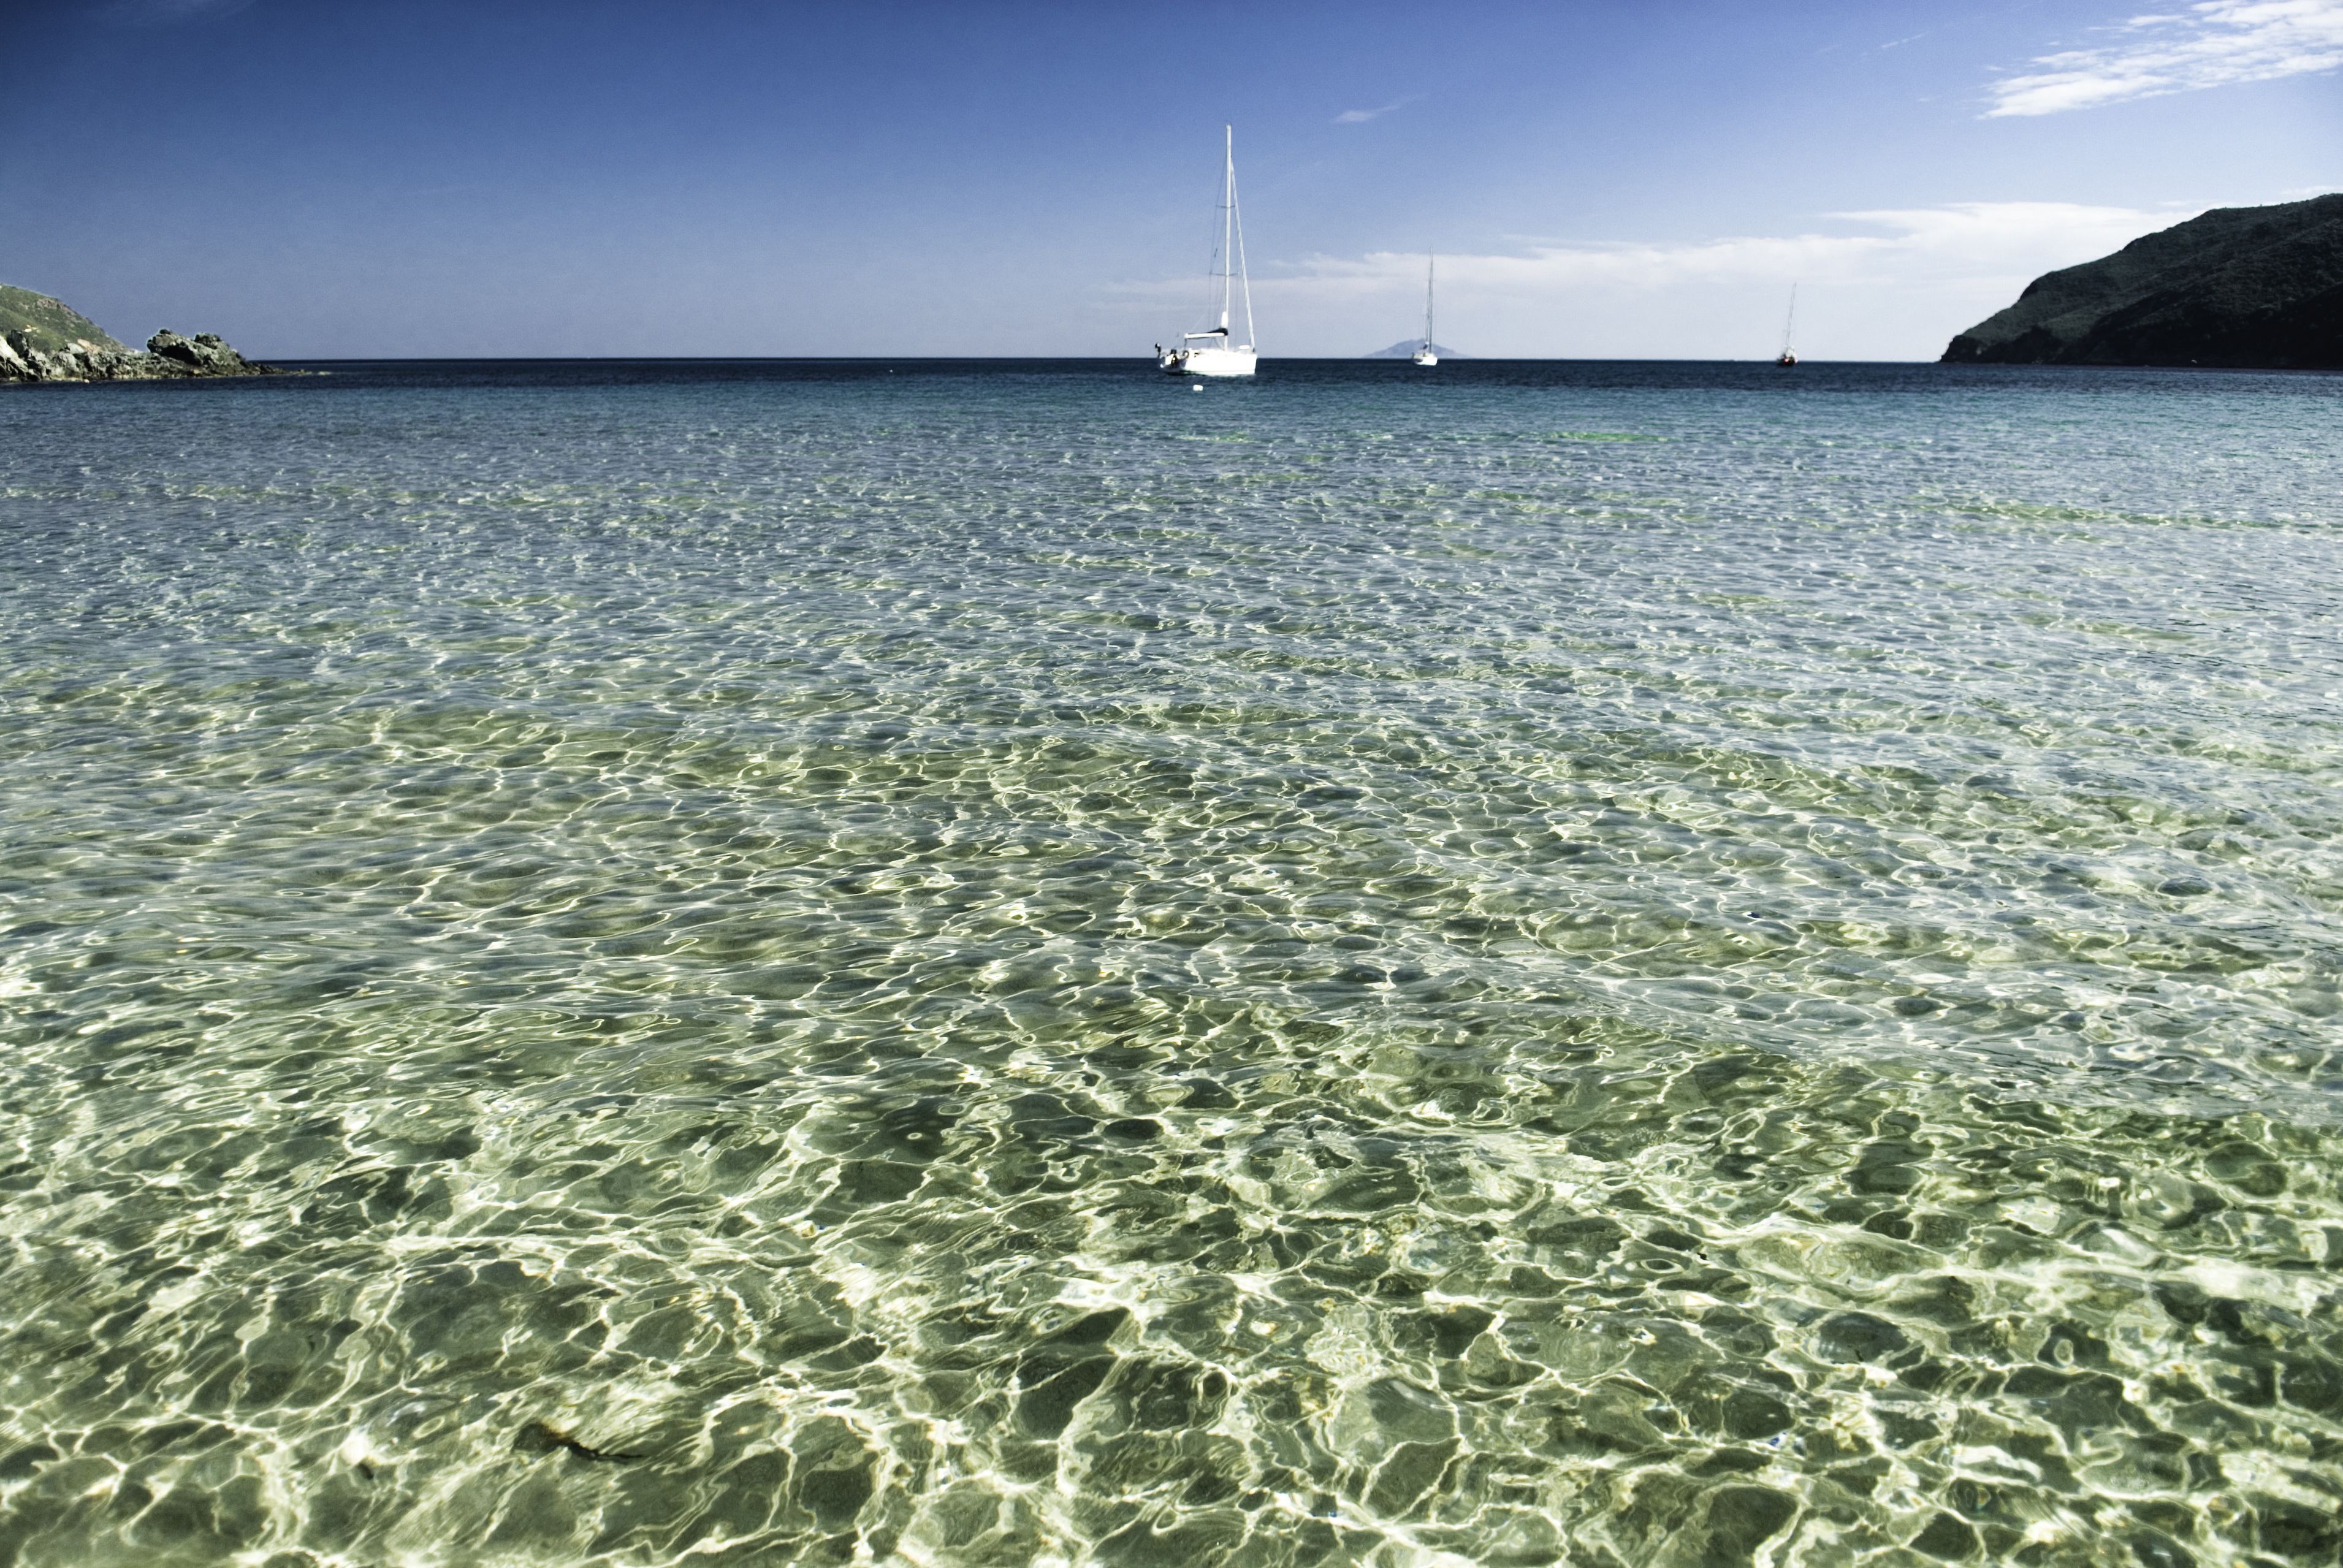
{"x":50,"y":325}
{"x":2242,"y":287}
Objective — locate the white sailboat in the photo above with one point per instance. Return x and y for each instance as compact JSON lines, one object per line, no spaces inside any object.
{"x":1211,"y":352}
{"x":1427,"y":355}
{"x":1789,"y":356}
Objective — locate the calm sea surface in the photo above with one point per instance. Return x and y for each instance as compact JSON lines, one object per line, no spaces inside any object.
{"x":1003,"y":963}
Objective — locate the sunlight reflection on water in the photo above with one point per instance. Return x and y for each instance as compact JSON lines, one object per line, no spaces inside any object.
{"x":1635,"y":967}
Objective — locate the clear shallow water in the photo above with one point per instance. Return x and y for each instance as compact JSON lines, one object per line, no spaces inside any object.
{"x":988,"y":964}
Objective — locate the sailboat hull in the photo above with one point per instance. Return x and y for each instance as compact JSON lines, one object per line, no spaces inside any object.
{"x":1426,"y":356}
{"x":1208,"y":361}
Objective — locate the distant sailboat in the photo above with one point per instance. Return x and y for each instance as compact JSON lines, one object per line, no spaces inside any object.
{"x":1427,"y":355}
{"x":1209,"y":352}
{"x":1787,"y":356}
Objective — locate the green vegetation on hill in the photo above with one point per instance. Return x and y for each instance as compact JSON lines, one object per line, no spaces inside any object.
{"x":47,"y":324}
{"x":2247,"y":286}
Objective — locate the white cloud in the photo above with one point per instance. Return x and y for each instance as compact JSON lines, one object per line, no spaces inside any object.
{"x":1956,"y":237}
{"x":2208,"y":45}
{"x":1894,"y":284}
{"x":1360,"y":116}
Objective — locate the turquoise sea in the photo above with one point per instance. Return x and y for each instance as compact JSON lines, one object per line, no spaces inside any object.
{"x":1008,"y":963}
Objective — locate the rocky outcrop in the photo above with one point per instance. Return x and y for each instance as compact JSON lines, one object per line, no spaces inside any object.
{"x":43,"y":340}
{"x":206,"y":355}
{"x":2255,"y":288}
{"x":168,"y":358}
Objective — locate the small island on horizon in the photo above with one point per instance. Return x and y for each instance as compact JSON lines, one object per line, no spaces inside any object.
{"x":1405,"y":349}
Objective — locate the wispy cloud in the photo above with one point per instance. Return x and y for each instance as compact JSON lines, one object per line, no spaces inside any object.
{"x":1360,"y":116}
{"x":162,"y":12}
{"x":1893,"y":283}
{"x":1997,"y":238}
{"x":2210,"y":45}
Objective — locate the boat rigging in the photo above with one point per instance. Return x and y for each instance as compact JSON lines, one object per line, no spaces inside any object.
{"x":1427,"y":355}
{"x":1211,"y":352}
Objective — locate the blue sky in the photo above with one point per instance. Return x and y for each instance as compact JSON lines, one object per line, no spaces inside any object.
{"x":406,"y":177}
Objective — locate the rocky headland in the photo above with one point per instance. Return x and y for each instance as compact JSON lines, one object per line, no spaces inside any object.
{"x":42,"y":339}
{"x":2248,"y":287}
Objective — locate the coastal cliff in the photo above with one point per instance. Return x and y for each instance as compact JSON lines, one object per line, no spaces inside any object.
{"x":42,"y":339}
{"x":2253,"y":287}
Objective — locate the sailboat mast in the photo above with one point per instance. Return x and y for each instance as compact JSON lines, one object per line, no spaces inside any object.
{"x":1197,"y":353}
{"x":1228,"y":229}
{"x":1788,"y":321}
{"x":1429,"y":262}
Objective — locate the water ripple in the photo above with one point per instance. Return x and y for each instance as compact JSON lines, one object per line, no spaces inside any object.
{"x":1619,"y":967}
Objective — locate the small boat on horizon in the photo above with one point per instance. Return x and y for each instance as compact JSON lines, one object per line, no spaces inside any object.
{"x":1427,"y":355}
{"x":1210,"y":352}
{"x":1787,"y":355}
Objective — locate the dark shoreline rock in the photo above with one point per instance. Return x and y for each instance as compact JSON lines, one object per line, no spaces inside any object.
{"x":2239,"y":288}
{"x":168,"y":358}
{"x":44,"y":339}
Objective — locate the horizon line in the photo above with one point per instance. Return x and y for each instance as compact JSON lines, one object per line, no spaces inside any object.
{"x":1046,"y":358}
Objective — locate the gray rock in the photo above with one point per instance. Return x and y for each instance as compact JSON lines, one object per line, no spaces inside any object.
{"x":42,"y":339}
{"x":203,"y":355}
{"x":168,"y":358}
